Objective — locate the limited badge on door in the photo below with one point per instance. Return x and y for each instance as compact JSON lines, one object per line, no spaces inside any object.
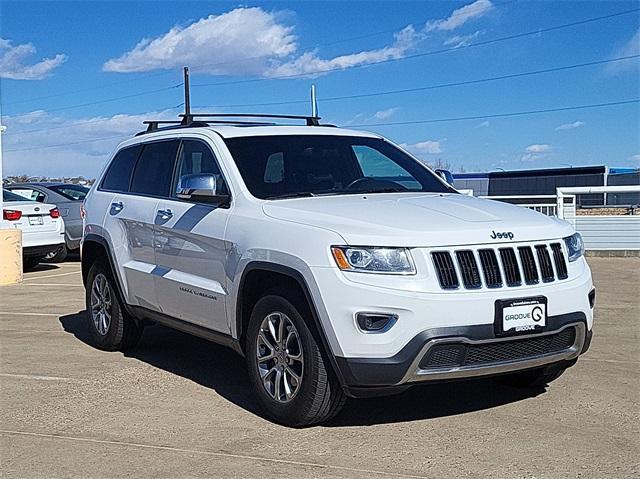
{"x":523,"y":315}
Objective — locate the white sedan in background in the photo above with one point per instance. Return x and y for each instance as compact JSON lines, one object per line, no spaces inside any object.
{"x":41,"y":225}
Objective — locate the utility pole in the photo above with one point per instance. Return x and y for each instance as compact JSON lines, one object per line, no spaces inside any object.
{"x":314,"y":102}
{"x":187,"y":96}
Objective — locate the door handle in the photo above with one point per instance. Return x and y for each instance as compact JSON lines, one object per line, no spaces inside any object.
{"x":116,"y":207}
{"x":165,"y":214}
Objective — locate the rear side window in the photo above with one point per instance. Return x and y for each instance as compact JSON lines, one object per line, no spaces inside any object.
{"x":153,"y":174}
{"x":118,"y":175}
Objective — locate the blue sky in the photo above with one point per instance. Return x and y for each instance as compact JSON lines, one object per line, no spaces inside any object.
{"x":74,"y":53}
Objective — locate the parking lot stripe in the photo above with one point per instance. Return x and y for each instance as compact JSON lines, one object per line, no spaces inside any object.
{"x":36,"y":314}
{"x":34,"y":377}
{"x":211,"y":453}
{"x":79,"y":285}
{"x":31,"y":278}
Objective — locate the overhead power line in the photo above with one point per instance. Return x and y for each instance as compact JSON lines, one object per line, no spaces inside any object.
{"x":434,"y":86}
{"x":361,"y":95}
{"x":500,"y":115}
{"x":106,"y":100}
{"x":61,"y":145}
{"x":431,"y":120}
{"x":425,"y":54}
{"x":87,"y":122}
{"x":97,"y":87}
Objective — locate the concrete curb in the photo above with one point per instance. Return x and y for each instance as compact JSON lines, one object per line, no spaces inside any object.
{"x":613,"y":253}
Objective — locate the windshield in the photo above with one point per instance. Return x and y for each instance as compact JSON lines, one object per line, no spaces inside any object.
{"x":308,"y":165}
{"x":8,"y":196}
{"x":71,"y":192}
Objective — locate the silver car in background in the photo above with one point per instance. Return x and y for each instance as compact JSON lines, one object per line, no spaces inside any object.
{"x":68,"y":198}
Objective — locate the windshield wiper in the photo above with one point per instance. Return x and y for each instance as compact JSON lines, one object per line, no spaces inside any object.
{"x":302,"y":194}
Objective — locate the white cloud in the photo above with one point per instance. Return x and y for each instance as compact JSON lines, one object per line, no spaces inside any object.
{"x":635,"y":158}
{"x":484,"y":124}
{"x":84,"y":153}
{"x":458,"y":41}
{"x":13,"y":58}
{"x":460,"y":16}
{"x":536,"y":152}
{"x":245,"y":41}
{"x":538,"y":148}
{"x":310,"y":63}
{"x":570,"y":126}
{"x":428,"y":147}
{"x":632,"y":47}
{"x":385,"y":114}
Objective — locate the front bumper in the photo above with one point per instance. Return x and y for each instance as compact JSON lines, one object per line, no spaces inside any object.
{"x":468,"y":351}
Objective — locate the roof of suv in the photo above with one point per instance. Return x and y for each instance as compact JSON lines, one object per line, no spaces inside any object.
{"x":231,"y":131}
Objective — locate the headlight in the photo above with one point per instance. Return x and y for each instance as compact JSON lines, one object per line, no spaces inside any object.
{"x":373,"y":259}
{"x":575,"y":246}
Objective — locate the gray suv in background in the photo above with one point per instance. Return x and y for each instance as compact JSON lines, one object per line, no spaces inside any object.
{"x":68,"y":198}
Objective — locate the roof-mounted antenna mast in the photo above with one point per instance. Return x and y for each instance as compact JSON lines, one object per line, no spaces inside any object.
{"x":314,"y":102}
{"x":187,"y":98}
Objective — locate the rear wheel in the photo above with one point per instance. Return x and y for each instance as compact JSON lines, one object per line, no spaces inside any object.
{"x":288,"y":372}
{"x":109,"y":324}
{"x":539,"y":377}
{"x":30,"y":262}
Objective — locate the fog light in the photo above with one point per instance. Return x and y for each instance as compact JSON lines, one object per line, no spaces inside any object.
{"x":592,"y":298}
{"x":375,"y":322}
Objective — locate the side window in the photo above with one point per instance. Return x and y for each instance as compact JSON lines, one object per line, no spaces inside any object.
{"x":154,"y":170}
{"x":29,"y":194}
{"x":118,"y":175}
{"x":274,"y":171}
{"x":196,"y":157}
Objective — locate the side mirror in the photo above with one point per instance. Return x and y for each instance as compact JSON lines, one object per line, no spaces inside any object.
{"x":445,"y":175}
{"x":203,"y":187}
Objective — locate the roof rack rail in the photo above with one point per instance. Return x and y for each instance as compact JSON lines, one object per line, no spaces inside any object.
{"x":205,"y":119}
{"x":310,"y":120}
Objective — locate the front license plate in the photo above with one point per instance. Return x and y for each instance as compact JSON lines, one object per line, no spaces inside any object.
{"x":35,"y":220}
{"x":520,"y":316}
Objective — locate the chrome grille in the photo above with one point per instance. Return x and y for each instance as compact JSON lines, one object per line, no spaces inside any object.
{"x":445,"y":269}
{"x":500,"y":267}
{"x":546,"y":270}
{"x":510,"y":266}
{"x":468,"y":269}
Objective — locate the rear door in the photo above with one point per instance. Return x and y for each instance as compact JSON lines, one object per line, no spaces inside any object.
{"x":190,"y":248}
{"x":141,"y":176}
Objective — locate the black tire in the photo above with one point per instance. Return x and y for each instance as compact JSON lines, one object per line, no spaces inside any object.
{"x":58,"y":257}
{"x":533,"y":378}
{"x":320,"y":396}
{"x":123,"y":331}
{"x":30,"y":262}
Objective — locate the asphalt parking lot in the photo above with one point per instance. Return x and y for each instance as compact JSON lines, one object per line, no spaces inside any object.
{"x":180,"y":407}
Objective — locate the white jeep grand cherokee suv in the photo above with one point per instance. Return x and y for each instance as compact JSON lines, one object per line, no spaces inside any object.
{"x":333,"y":261}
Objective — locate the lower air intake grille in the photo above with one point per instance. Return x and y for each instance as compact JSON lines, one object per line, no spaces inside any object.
{"x":462,"y":354}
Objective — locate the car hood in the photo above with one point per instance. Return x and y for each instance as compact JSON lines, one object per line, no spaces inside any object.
{"x":418,"y":219}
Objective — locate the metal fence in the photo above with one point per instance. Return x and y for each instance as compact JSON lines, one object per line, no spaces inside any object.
{"x":600,"y":232}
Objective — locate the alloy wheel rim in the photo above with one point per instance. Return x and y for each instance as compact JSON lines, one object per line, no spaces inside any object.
{"x":101,"y":304}
{"x":279,"y":357}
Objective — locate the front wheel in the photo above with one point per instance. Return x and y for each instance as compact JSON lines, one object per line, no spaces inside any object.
{"x":110,"y":326}
{"x":288,"y":372}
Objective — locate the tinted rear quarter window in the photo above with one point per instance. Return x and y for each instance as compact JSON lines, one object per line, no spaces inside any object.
{"x":153,"y":174}
{"x":118,"y":175}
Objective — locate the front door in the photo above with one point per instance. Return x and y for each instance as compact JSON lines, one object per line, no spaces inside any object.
{"x":190,"y":249}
